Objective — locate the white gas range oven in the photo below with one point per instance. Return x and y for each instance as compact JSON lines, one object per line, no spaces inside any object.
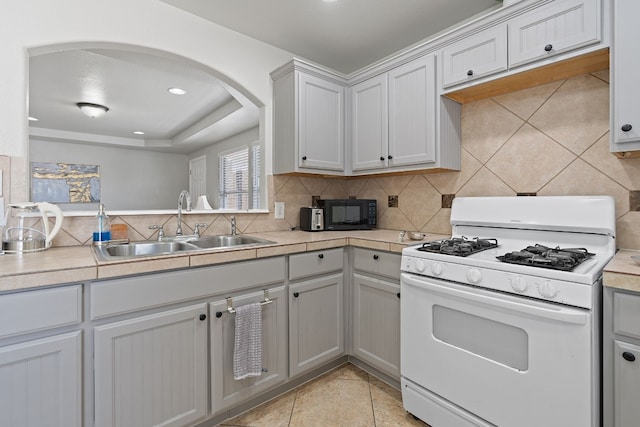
{"x":500,"y":325}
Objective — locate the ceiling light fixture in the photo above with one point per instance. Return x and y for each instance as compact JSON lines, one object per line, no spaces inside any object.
{"x":138,"y":132}
{"x":176,"y":91}
{"x":92,"y":110}
{"x":32,"y":119}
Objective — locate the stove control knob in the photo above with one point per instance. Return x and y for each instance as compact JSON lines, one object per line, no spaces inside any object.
{"x":518,"y":284}
{"x":474,"y":276}
{"x":436,"y":269}
{"x":548,"y":289}
{"x":420,"y":265}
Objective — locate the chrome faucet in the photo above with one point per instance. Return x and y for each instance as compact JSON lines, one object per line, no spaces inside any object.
{"x":234,"y":230}
{"x":182,"y":195}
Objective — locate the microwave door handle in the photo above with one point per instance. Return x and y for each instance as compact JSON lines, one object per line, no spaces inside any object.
{"x":559,"y":313}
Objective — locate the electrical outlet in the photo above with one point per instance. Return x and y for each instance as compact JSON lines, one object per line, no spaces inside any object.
{"x":1,"y":183}
{"x":279,"y":211}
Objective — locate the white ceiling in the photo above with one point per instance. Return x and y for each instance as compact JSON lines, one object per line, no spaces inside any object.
{"x":133,"y":85}
{"x":345,"y":35}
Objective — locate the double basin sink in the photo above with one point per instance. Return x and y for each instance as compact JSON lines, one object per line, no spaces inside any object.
{"x":174,"y":245}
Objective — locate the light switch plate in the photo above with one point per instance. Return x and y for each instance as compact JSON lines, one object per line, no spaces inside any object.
{"x":279,"y":211}
{"x":0,"y":182}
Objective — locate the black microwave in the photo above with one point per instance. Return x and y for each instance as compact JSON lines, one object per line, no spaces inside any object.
{"x":349,"y":214}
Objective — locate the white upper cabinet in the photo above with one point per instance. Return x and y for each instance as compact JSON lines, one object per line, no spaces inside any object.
{"x":393,"y":121}
{"x":476,"y":56}
{"x":308,"y":118}
{"x":369,"y":124}
{"x":552,"y":29}
{"x":412,"y":113}
{"x":625,"y":92}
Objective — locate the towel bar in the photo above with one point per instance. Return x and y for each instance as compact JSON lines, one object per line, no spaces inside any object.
{"x":232,"y":310}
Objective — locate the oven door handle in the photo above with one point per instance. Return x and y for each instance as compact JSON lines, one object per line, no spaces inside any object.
{"x":548,"y":311}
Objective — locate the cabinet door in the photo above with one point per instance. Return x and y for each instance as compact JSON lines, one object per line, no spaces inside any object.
{"x":376,"y":323}
{"x":626,"y":361}
{"x":316,"y":325}
{"x":320,"y":123}
{"x":40,"y":382}
{"x":152,"y":370}
{"x":625,"y":92}
{"x":369,"y":124}
{"x":412,"y":103}
{"x":476,"y":56}
{"x":554,"y":28}
{"x":225,"y":390}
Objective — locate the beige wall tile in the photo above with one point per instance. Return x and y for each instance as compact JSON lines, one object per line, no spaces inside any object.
{"x":451,"y":182}
{"x":440,"y":223}
{"x":393,"y":185}
{"x":294,"y":195}
{"x":628,"y":231}
{"x":524,"y":103}
{"x":580,"y":178}
{"x":485,"y":183}
{"x":602,"y":75}
{"x":394,"y":219}
{"x":486,"y":125}
{"x":625,"y":172}
{"x":419,"y":202}
{"x":529,"y":160}
{"x":577,"y":114}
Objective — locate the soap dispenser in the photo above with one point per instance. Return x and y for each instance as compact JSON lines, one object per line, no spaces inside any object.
{"x":102,"y":233}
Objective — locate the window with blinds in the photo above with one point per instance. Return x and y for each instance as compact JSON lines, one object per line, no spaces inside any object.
{"x":240,"y":178}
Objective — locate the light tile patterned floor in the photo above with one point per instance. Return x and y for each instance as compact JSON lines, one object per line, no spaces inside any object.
{"x":345,"y":396}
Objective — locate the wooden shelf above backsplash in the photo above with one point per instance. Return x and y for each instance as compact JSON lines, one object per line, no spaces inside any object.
{"x":583,"y":64}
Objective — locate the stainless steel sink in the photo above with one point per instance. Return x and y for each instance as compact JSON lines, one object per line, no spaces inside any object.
{"x":226,"y":241}
{"x":182,"y":244}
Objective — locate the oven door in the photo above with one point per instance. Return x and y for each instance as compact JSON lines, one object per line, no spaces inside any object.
{"x":508,"y":360}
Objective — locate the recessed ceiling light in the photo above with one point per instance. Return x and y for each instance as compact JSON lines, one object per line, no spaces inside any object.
{"x":32,"y":119}
{"x":138,"y":132}
{"x":329,"y":1}
{"x":176,"y":91}
{"x":92,"y":110}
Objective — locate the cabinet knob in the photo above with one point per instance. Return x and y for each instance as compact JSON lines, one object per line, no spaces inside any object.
{"x":398,"y":294}
{"x":376,"y":257}
{"x":389,"y":157}
{"x":548,"y":48}
{"x":304,"y":157}
{"x":321,"y":256}
{"x":218,"y":314}
{"x":203,"y":317}
{"x":628,"y":356}
{"x":382,"y":158}
{"x":470,"y":73}
{"x":626,"y":128}
{"x":296,"y":294}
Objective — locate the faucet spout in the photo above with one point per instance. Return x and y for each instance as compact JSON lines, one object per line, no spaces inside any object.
{"x":234,"y":229}
{"x":184,"y":194}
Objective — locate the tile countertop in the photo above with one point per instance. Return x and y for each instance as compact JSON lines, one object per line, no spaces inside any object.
{"x":622,"y":272}
{"x":77,"y":263}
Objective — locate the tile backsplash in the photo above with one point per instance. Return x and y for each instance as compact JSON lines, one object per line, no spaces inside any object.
{"x":547,"y":140}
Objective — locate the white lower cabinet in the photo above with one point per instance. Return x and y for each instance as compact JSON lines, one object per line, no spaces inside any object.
{"x":151,"y":370}
{"x":225,"y":390}
{"x":376,"y":323}
{"x":316,"y":322}
{"x":40,"y":382}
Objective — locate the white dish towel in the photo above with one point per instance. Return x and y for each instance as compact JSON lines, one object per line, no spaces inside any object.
{"x":247,"y":350}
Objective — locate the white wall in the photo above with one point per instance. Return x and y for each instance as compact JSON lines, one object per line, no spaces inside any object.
{"x":130,"y":179}
{"x":27,"y":25}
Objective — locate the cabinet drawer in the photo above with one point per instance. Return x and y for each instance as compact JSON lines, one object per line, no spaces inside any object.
{"x":475,"y":56}
{"x":377,"y":262}
{"x":626,"y":314}
{"x":315,"y":263}
{"x":555,"y":28}
{"x":137,"y":293}
{"x":32,"y":311}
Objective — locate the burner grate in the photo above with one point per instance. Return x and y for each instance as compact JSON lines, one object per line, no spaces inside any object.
{"x":564,"y":259}
{"x":459,"y":246}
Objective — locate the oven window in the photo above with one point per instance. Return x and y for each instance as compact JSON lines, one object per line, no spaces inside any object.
{"x":493,"y":340}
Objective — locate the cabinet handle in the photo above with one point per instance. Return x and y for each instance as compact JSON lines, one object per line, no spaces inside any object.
{"x":629,"y":357}
{"x":203,"y":317}
{"x":398,"y":294}
{"x":296,"y":294}
{"x":382,"y":158}
{"x":376,"y":257}
{"x":626,"y":128}
{"x":548,"y":48}
{"x":470,"y":73}
{"x":304,"y":157}
{"x":321,"y":256}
